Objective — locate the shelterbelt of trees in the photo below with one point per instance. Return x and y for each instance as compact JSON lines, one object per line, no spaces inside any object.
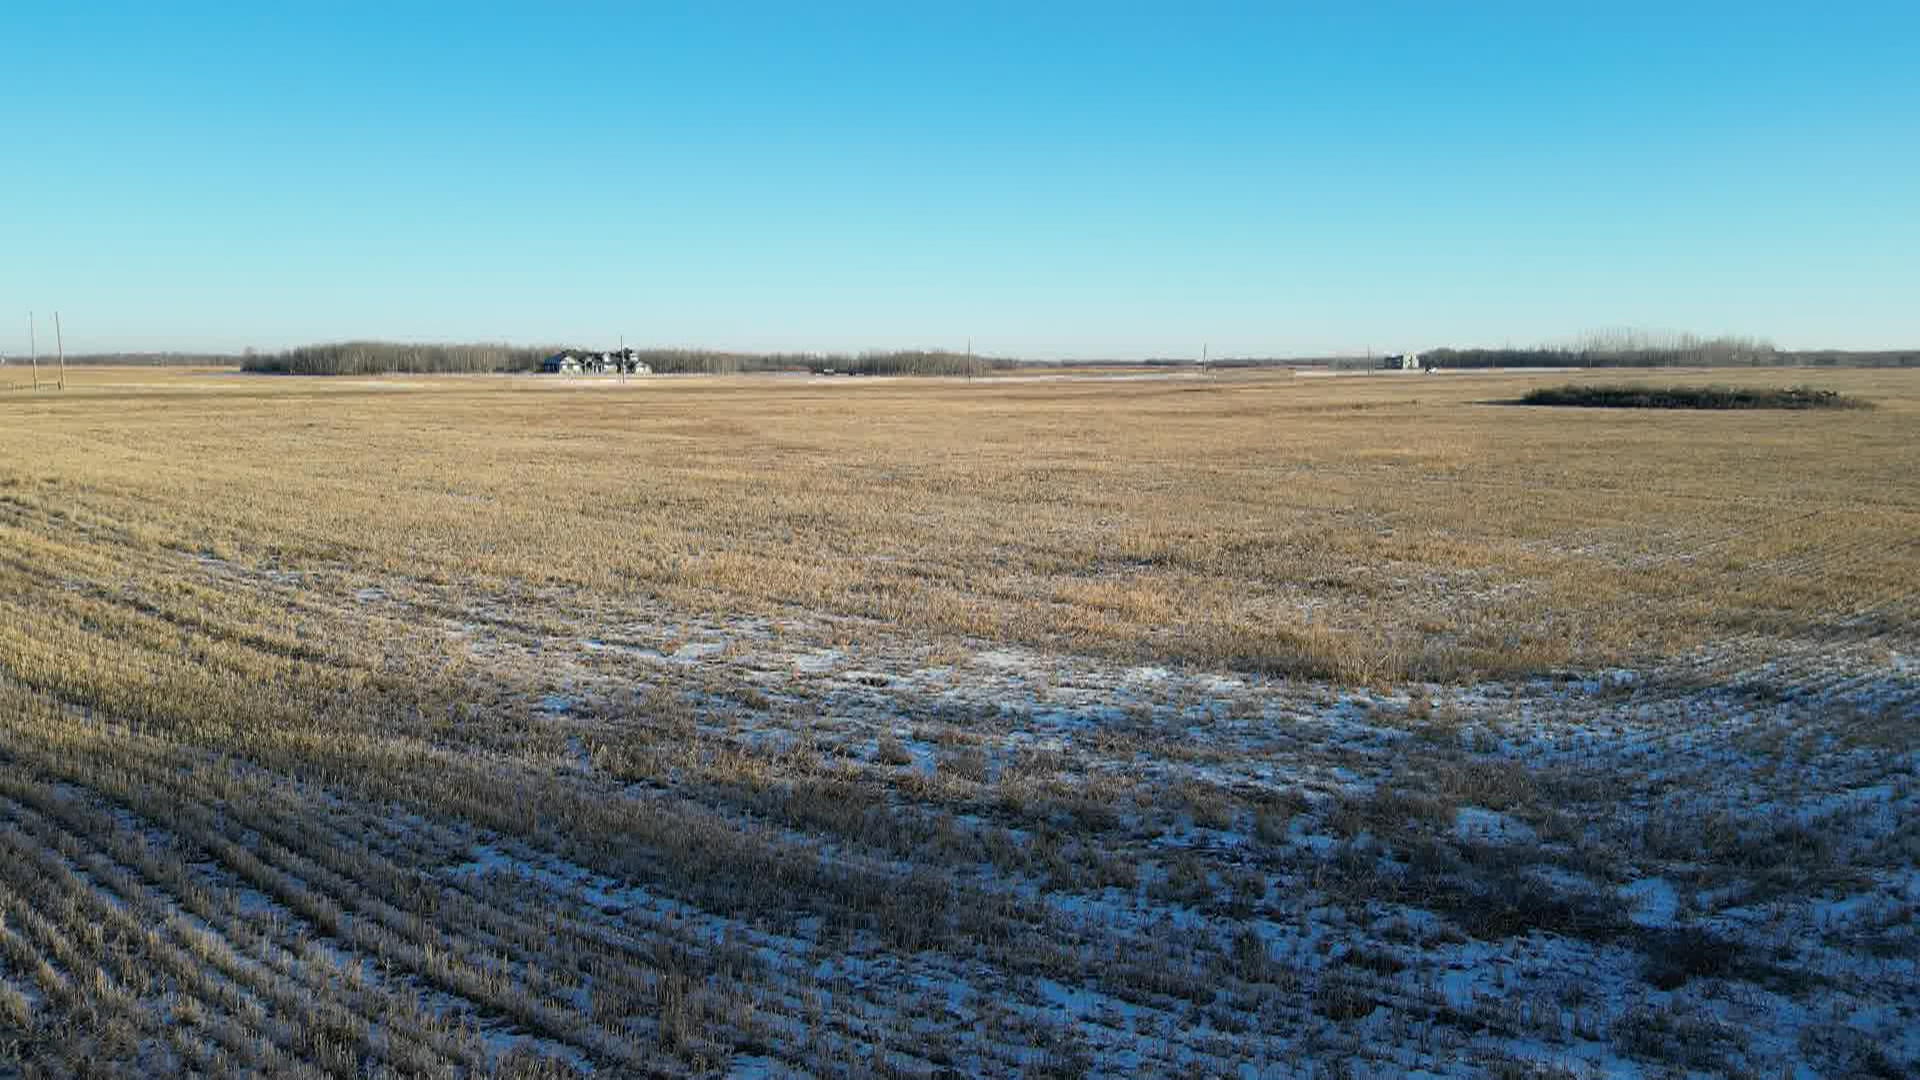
{"x":1623,"y":350}
{"x":380,"y":357}
{"x":1629,"y":348}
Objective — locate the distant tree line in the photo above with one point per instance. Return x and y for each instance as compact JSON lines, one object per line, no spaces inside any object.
{"x":1839,"y":358}
{"x":1618,"y":348}
{"x":145,"y":359}
{"x":1609,"y":349}
{"x":917,"y":362}
{"x":1273,"y":361}
{"x":899,"y":362}
{"x":378,"y":357}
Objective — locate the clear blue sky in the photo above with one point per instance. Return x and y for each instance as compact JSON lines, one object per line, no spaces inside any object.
{"x":1107,"y":179}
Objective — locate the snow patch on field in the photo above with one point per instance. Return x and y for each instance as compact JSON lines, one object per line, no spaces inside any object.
{"x":1623,"y":871}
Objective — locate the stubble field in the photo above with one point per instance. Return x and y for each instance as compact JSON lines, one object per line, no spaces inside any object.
{"x":1241,"y":725}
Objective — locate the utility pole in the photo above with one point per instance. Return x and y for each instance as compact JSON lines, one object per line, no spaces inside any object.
{"x":33,"y":351}
{"x":1206,"y":356}
{"x":60,"y":344}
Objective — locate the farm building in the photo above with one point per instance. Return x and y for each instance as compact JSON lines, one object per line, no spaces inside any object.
{"x":611,"y":362}
{"x":629,"y":362}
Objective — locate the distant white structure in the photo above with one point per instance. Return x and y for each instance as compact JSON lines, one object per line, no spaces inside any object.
{"x":625,"y":361}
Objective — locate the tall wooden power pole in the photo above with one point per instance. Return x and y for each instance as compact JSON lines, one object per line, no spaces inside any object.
{"x":60,"y":346}
{"x":33,"y":351}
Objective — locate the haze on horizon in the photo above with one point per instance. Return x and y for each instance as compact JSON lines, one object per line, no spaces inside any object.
{"x":1079,"y":181}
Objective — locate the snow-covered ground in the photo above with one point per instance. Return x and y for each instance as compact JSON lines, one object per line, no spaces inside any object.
{"x":1705,"y":866}
{"x":612,"y":837}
